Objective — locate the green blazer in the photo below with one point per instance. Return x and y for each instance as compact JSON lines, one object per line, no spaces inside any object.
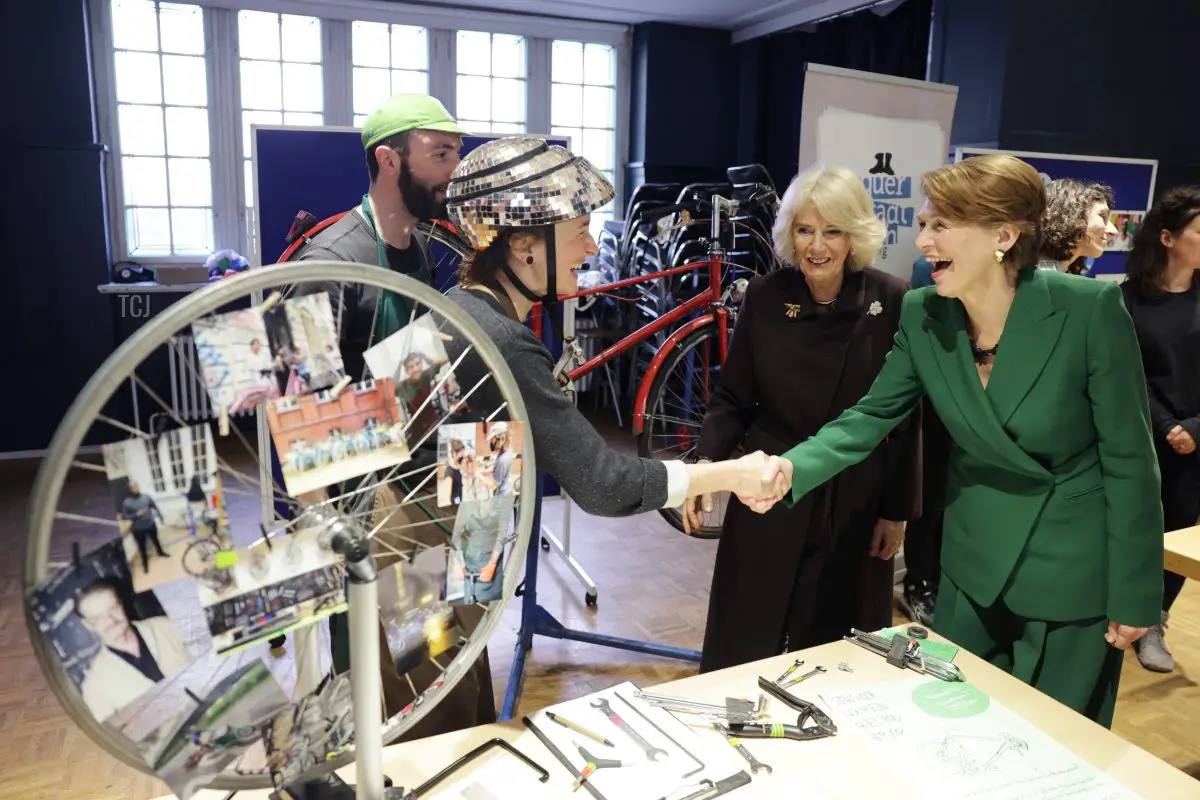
{"x":1052,"y":499}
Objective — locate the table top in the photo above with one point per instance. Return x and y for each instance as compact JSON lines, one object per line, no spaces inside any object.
{"x":1182,"y":555}
{"x":833,"y":765}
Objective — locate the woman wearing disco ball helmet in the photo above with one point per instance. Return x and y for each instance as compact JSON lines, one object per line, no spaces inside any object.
{"x":525,"y":207}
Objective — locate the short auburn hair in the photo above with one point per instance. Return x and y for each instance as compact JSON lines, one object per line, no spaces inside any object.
{"x":989,"y":191}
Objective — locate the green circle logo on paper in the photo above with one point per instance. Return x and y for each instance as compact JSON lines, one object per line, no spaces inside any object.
{"x":950,"y":700}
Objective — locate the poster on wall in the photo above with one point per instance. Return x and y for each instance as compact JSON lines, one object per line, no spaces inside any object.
{"x":1130,"y":179}
{"x":888,"y":130}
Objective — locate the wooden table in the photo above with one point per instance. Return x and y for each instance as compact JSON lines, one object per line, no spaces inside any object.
{"x":1182,"y":554}
{"x":835,"y":765}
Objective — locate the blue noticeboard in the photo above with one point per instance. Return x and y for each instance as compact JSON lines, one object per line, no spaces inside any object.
{"x":1131,"y":180}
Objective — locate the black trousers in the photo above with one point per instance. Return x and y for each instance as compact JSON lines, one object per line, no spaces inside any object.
{"x":923,"y":540}
{"x":145,"y":536}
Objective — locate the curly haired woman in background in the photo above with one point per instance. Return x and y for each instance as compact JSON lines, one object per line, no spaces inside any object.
{"x":1162,"y":293}
{"x":1075,"y":225}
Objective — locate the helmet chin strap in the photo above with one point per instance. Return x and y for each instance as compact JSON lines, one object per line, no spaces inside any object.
{"x":551,"y":295}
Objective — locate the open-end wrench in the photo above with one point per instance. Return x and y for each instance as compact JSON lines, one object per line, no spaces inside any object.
{"x":804,"y":677}
{"x":787,"y":673}
{"x":756,"y":766}
{"x":652,"y":752}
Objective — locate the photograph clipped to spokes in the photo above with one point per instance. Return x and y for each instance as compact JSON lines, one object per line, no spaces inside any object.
{"x":415,"y":358}
{"x":306,"y":734}
{"x":417,"y":619}
{"x":475,"y":567}
{"x":277,"y":349}
{"x":168,"y":501}
{"x":114,"y":642}
{"x":280,"y":584}
{"x":478,"y":461}
{"x":329,"y":437}
{"x":228,"y":719}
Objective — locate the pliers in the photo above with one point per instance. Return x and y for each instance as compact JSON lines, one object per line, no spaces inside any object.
{"x":821,"y":724}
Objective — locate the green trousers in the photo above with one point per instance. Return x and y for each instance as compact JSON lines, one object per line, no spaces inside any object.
{"x":1069,"y":661}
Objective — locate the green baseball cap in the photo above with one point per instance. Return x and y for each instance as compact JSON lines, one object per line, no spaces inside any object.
{"x":406,"y":112}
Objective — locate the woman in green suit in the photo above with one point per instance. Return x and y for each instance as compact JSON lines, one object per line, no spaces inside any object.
{"x":1052,"y":554}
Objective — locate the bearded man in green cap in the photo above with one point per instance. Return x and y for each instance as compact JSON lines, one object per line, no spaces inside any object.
{"x":412,"y":147}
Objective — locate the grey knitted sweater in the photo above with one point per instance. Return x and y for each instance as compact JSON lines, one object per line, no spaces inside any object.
{"x":596,"y":477}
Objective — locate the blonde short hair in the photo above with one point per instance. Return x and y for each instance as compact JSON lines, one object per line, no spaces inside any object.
{"x":839,"y":196}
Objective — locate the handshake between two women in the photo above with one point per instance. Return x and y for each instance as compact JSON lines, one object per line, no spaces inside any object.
{"x":759,"y":481}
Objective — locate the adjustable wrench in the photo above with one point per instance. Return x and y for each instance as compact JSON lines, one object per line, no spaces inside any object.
{"x":652,"y":752}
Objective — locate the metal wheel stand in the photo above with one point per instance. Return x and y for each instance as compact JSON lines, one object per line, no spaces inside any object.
{"x":536,"y":620}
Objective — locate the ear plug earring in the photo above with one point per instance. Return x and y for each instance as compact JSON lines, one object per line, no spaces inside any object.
{"x":529,"y":260}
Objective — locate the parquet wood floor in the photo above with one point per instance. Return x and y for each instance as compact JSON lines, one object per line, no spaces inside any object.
{"x":653,"y":585}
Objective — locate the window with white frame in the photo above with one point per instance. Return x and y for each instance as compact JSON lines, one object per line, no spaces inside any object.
{"x":490,"y":92}
{"x":173,"y":122}
{"x":583,"y":106}
{"x":161,"y":90}
{"x":281,"y":78}
{"x":386,"y":59}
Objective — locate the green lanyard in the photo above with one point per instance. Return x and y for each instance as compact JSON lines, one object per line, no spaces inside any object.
{"x":392,"y":311}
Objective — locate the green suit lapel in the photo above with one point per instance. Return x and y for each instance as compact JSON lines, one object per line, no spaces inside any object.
{"x":1030,"y":336}
{"x":985,"y":412}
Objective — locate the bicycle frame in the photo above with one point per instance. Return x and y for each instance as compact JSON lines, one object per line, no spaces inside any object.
{"x":710,"y":299}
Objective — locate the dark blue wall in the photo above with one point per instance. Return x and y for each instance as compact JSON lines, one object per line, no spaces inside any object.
{"x":701,"y":104}
{"x":1081,"y":77}
{"x":56,"y":328}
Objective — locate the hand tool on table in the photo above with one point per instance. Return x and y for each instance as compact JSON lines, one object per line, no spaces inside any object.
{"x":756,"y":766}
{"x":800,"y":678}
{"x":733,"y":711}
{"x":787,"y":673}
{"x":812,"y":722}
{"x":664,"y":734}
{"x":592,"y":765}
{"x":903,"y":652}
{"x":652,"y":753}
{"x":566,"y":723}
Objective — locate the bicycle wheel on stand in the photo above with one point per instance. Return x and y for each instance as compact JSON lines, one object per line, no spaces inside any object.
{"x":213,"y":671}
{"x":675,"y":408}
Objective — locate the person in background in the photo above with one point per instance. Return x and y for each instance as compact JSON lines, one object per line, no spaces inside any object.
{"x":807,"y":344}
{"x":140,"y":510}
{"x":1077,"y":225}
{"x":1162,"y":292}
{"x":411,"y":145}
{"x":923,"y":541}
{"x":922,"y":273}
{"x":1051,"y":560}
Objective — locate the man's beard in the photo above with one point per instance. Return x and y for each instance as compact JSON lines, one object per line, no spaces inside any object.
{"x":418,"y":198}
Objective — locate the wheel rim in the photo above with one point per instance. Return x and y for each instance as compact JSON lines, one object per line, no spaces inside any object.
{"x":107,"y":381}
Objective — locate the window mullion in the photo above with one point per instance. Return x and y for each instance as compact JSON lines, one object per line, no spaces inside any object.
{"x":443,"y":70}
{"x":537,"y":85}
{"x":224,"y":125}
{"x":337,"y":73}
{"x":621,"y":134}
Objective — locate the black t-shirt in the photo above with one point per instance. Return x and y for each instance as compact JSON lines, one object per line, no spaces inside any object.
{"x":1168,"y":329}
{"x":352,"y":239}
